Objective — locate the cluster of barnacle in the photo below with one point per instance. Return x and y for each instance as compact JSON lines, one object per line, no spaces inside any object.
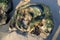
{"x":4,"y":10}
{"x":33,"y":18}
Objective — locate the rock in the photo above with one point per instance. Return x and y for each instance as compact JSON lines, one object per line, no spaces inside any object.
{"x":34,"y":22}
{"x":5,"y":9}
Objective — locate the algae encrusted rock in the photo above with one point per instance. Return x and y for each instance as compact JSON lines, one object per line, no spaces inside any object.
{"x":33,"y":18}
{"x":5,"y":8}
